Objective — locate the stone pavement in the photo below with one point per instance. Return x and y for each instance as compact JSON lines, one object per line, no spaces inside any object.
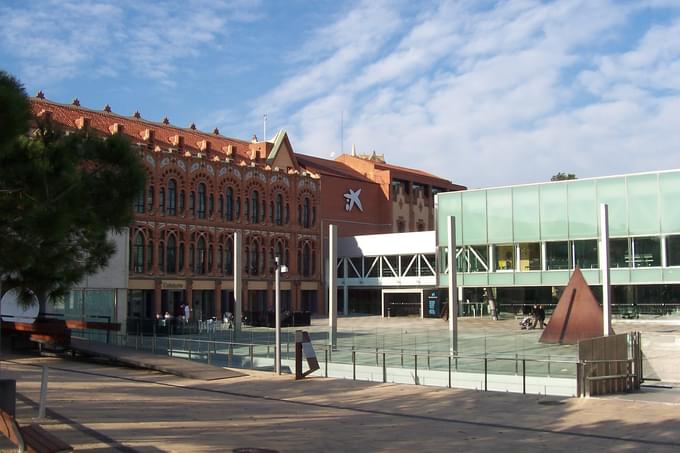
{"x":99,"y":407}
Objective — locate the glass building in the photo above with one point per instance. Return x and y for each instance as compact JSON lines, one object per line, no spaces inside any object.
{"x":524,"y":241}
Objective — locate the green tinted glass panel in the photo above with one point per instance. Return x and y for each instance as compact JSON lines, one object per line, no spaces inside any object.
{"x":474,"y":218}
{"x":613,"y":192}
{"x":554,"y":219}
{"x":582,"y":209}
{"x":526,"y":213}
{"x":499,"y":215}
{"x":448,"y":205}
{"x":669,"y":186}
{"x":643,"y":204}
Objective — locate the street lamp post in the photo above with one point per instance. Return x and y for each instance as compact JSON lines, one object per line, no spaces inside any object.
{"x":277,"y":289}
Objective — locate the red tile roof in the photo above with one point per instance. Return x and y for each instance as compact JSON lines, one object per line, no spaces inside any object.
{"x":329,"y":167}
{"x":135,"y":128}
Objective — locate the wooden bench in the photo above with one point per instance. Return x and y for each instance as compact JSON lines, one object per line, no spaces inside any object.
{"x":30,"y":438}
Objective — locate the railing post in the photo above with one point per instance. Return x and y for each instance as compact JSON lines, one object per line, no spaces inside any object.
{"x":486,"y":388}
{"x":548,"y":365}
{"x":231,"y":354}
{"x":524,"y":376}
{"x":402,"y":357}
{"x":415,"y":367}
{"x":170,"y":345}
{"x":354,"y":365}
{"x":325,"y":374}
{"x":516,"y":365}
{"x":384,"y":368}
{"x":252,"y":356}
{"x":449,"y":371}
{"x":428,"y":356}
{"x":189,"y":349}
{"x":376,"y":356}
{"x":209,"y":352}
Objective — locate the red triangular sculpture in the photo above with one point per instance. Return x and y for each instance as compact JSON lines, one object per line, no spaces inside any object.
{"x":577,"y":315}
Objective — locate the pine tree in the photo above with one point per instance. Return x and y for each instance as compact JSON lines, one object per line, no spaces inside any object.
{"x":60,"y":196}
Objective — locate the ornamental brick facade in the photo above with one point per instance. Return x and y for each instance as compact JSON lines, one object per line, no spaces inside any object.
{"x":203,"y":187}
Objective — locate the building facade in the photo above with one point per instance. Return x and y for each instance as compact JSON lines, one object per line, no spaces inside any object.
{"x":524,"y":241}
{"x":204,"y":187}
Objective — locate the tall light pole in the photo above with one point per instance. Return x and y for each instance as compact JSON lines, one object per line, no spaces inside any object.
{"x":277,"y":289}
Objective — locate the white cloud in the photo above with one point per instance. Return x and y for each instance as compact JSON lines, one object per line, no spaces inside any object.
{"x":506,"y":94}
{"x":56,"y":39}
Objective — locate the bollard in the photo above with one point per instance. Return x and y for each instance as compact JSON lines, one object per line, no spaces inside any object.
{"x":252,"y":357}
{"x":354,"y":365}
{"x":190,"y":350}
{"x":428,"y":357}
{"x":524,"y":376}
{"x":516,"y":365}
{"x":325,"y":374}
{"x":209,"y":351}
{"x":43,"y":394}
{"x":485,"y":375}
{"x":402,"y":358}
{"x":8,"y":392}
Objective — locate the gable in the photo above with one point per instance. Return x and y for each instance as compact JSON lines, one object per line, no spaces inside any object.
{"x":282,"y":154}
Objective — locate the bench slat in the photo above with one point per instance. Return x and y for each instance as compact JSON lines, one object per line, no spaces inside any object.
{"x":9,"y":428}
{"x":39,"y":440}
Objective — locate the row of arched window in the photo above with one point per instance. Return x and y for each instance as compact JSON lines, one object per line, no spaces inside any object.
{"x":202,"y":259}
{"x":227,"y":206}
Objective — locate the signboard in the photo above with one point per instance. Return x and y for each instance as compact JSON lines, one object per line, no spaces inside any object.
{"x":173,"y":284}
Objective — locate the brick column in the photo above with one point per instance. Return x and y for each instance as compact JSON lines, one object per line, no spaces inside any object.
{"x":217,"y":300}
{"x":157,"y":298}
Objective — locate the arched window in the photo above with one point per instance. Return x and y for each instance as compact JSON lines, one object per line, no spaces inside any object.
{"x":279,"y":251}
{"x":181,"y":202}
{"x":192,"y":203}
{"x":255,"y":207}
{"x":201,"y":201}
{"x":139,"y":202}
{"x":254,"y":261}
{"x":200,"y":256}
{"x":305,"y":213}
{"x":229,"y":204}
{"x":211,"y":205}
{"x":171,"y":254}
{"x":138,"y":253}
{"x":210,"y":258}
{"x":306,"y":261}
{"x":229,"y":257}
{"x":149,"y":255}
{"x":180,"y":257}
{"x":161,"y":256}
{"x":172,"y":197}
{"x":149,"y":199}
{"x":278,"y":209}
{"x":220,"y":205}
{"x":161,"y":200}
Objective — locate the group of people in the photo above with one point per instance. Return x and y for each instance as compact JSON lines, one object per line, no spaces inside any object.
{"x":533,"y":319}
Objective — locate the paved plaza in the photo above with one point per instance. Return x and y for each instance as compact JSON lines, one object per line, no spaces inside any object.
{"x":99,"y":407}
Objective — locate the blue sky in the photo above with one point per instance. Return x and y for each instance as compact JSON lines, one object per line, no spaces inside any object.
{"x":483,"y":93}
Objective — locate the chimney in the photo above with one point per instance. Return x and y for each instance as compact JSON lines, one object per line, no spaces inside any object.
{"x":137,"y":114}
{"x":40,"y":95}
{"x":83,"y":123}
{"x":192,"y":126}
{"x":165,"y":120}
{"x":116,"y":128}
{"x":76,"y":102}
{"x":107,"y":108}
{"x":216,"y":131}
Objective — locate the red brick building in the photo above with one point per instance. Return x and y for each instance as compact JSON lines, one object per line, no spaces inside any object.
{"x":204,"y":187}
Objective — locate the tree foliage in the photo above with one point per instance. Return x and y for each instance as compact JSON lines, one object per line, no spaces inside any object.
{"x":60,"y":195}
{"x":563,"y":176}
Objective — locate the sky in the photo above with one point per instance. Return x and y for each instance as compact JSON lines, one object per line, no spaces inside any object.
{"x":484,"y":93}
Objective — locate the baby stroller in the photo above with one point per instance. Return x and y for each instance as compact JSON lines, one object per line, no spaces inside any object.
{"x":526,"y":323}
